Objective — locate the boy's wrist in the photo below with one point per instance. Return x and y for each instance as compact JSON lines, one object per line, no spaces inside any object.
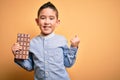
{"x":74,"y":46}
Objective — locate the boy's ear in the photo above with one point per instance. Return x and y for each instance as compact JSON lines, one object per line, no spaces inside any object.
{"x":36,"y":20}
{"x":58,"y":22}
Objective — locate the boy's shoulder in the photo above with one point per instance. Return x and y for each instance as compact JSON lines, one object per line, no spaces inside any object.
{"x":58,"y":36}
{"x":35,"y":37}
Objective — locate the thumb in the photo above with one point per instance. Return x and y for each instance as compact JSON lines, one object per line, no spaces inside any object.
{"x":76,"y":36}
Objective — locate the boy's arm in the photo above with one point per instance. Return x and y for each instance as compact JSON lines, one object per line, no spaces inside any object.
{"x":69,"y":56}
{"x":27,"y":64}
{"x":24,"y":63}
{"x":70,"y":53}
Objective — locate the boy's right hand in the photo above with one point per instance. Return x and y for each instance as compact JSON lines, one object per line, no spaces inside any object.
{"x":16,"y":48}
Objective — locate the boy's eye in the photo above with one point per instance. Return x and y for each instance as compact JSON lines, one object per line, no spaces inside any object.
{"x":51,"y":18}
{"x":42,"y":17}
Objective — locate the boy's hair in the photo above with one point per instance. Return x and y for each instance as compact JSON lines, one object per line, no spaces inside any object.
{"x":48,"y":5}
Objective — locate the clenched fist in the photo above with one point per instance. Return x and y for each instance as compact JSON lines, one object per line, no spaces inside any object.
{"x":16,"y":47}
{"x":75,"y":41}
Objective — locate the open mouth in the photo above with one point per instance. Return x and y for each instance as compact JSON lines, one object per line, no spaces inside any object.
{"x":46,"y":27}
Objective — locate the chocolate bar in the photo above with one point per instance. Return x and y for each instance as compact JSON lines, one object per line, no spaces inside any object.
{"x":24,"y":41}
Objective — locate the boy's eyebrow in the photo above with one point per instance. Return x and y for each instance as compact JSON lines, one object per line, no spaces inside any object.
{"x":48,"y":16}
{"x":42,"y":15}
{"x":51,"y":16}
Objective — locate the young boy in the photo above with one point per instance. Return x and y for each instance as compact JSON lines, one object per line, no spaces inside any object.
{"x":49,"y":54}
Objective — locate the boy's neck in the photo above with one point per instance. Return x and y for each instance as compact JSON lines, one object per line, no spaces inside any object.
{"x":45,"y":35}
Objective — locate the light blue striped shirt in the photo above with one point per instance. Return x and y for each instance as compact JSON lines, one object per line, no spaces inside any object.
{"x":49,"y":56}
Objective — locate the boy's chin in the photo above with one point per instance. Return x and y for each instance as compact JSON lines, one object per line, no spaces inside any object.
{"x":45,"y":34}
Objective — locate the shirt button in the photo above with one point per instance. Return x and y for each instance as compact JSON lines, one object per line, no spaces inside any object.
{"x":46,"y":73}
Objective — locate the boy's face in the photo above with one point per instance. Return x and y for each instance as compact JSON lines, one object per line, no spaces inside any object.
{"x":47,"y":21}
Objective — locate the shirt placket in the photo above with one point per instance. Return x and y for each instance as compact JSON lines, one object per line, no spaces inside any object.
{"x":45,"y":58}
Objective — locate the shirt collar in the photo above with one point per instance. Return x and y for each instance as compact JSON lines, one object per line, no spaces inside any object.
{"x":48,"y":36}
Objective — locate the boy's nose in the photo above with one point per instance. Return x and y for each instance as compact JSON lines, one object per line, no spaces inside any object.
{"x":47,"y":21}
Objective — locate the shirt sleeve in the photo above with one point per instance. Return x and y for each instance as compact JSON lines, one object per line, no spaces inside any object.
{"x":26,"y":64}
{"x":69,"y":55}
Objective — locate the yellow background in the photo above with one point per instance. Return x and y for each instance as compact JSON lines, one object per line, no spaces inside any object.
{"x":96,"y":22}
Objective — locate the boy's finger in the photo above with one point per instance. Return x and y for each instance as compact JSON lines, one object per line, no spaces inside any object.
{"x":17,"y":44}
{"x":76,"y":36}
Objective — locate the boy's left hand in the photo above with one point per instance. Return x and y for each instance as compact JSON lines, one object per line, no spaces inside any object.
{"x":75,"y":41}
